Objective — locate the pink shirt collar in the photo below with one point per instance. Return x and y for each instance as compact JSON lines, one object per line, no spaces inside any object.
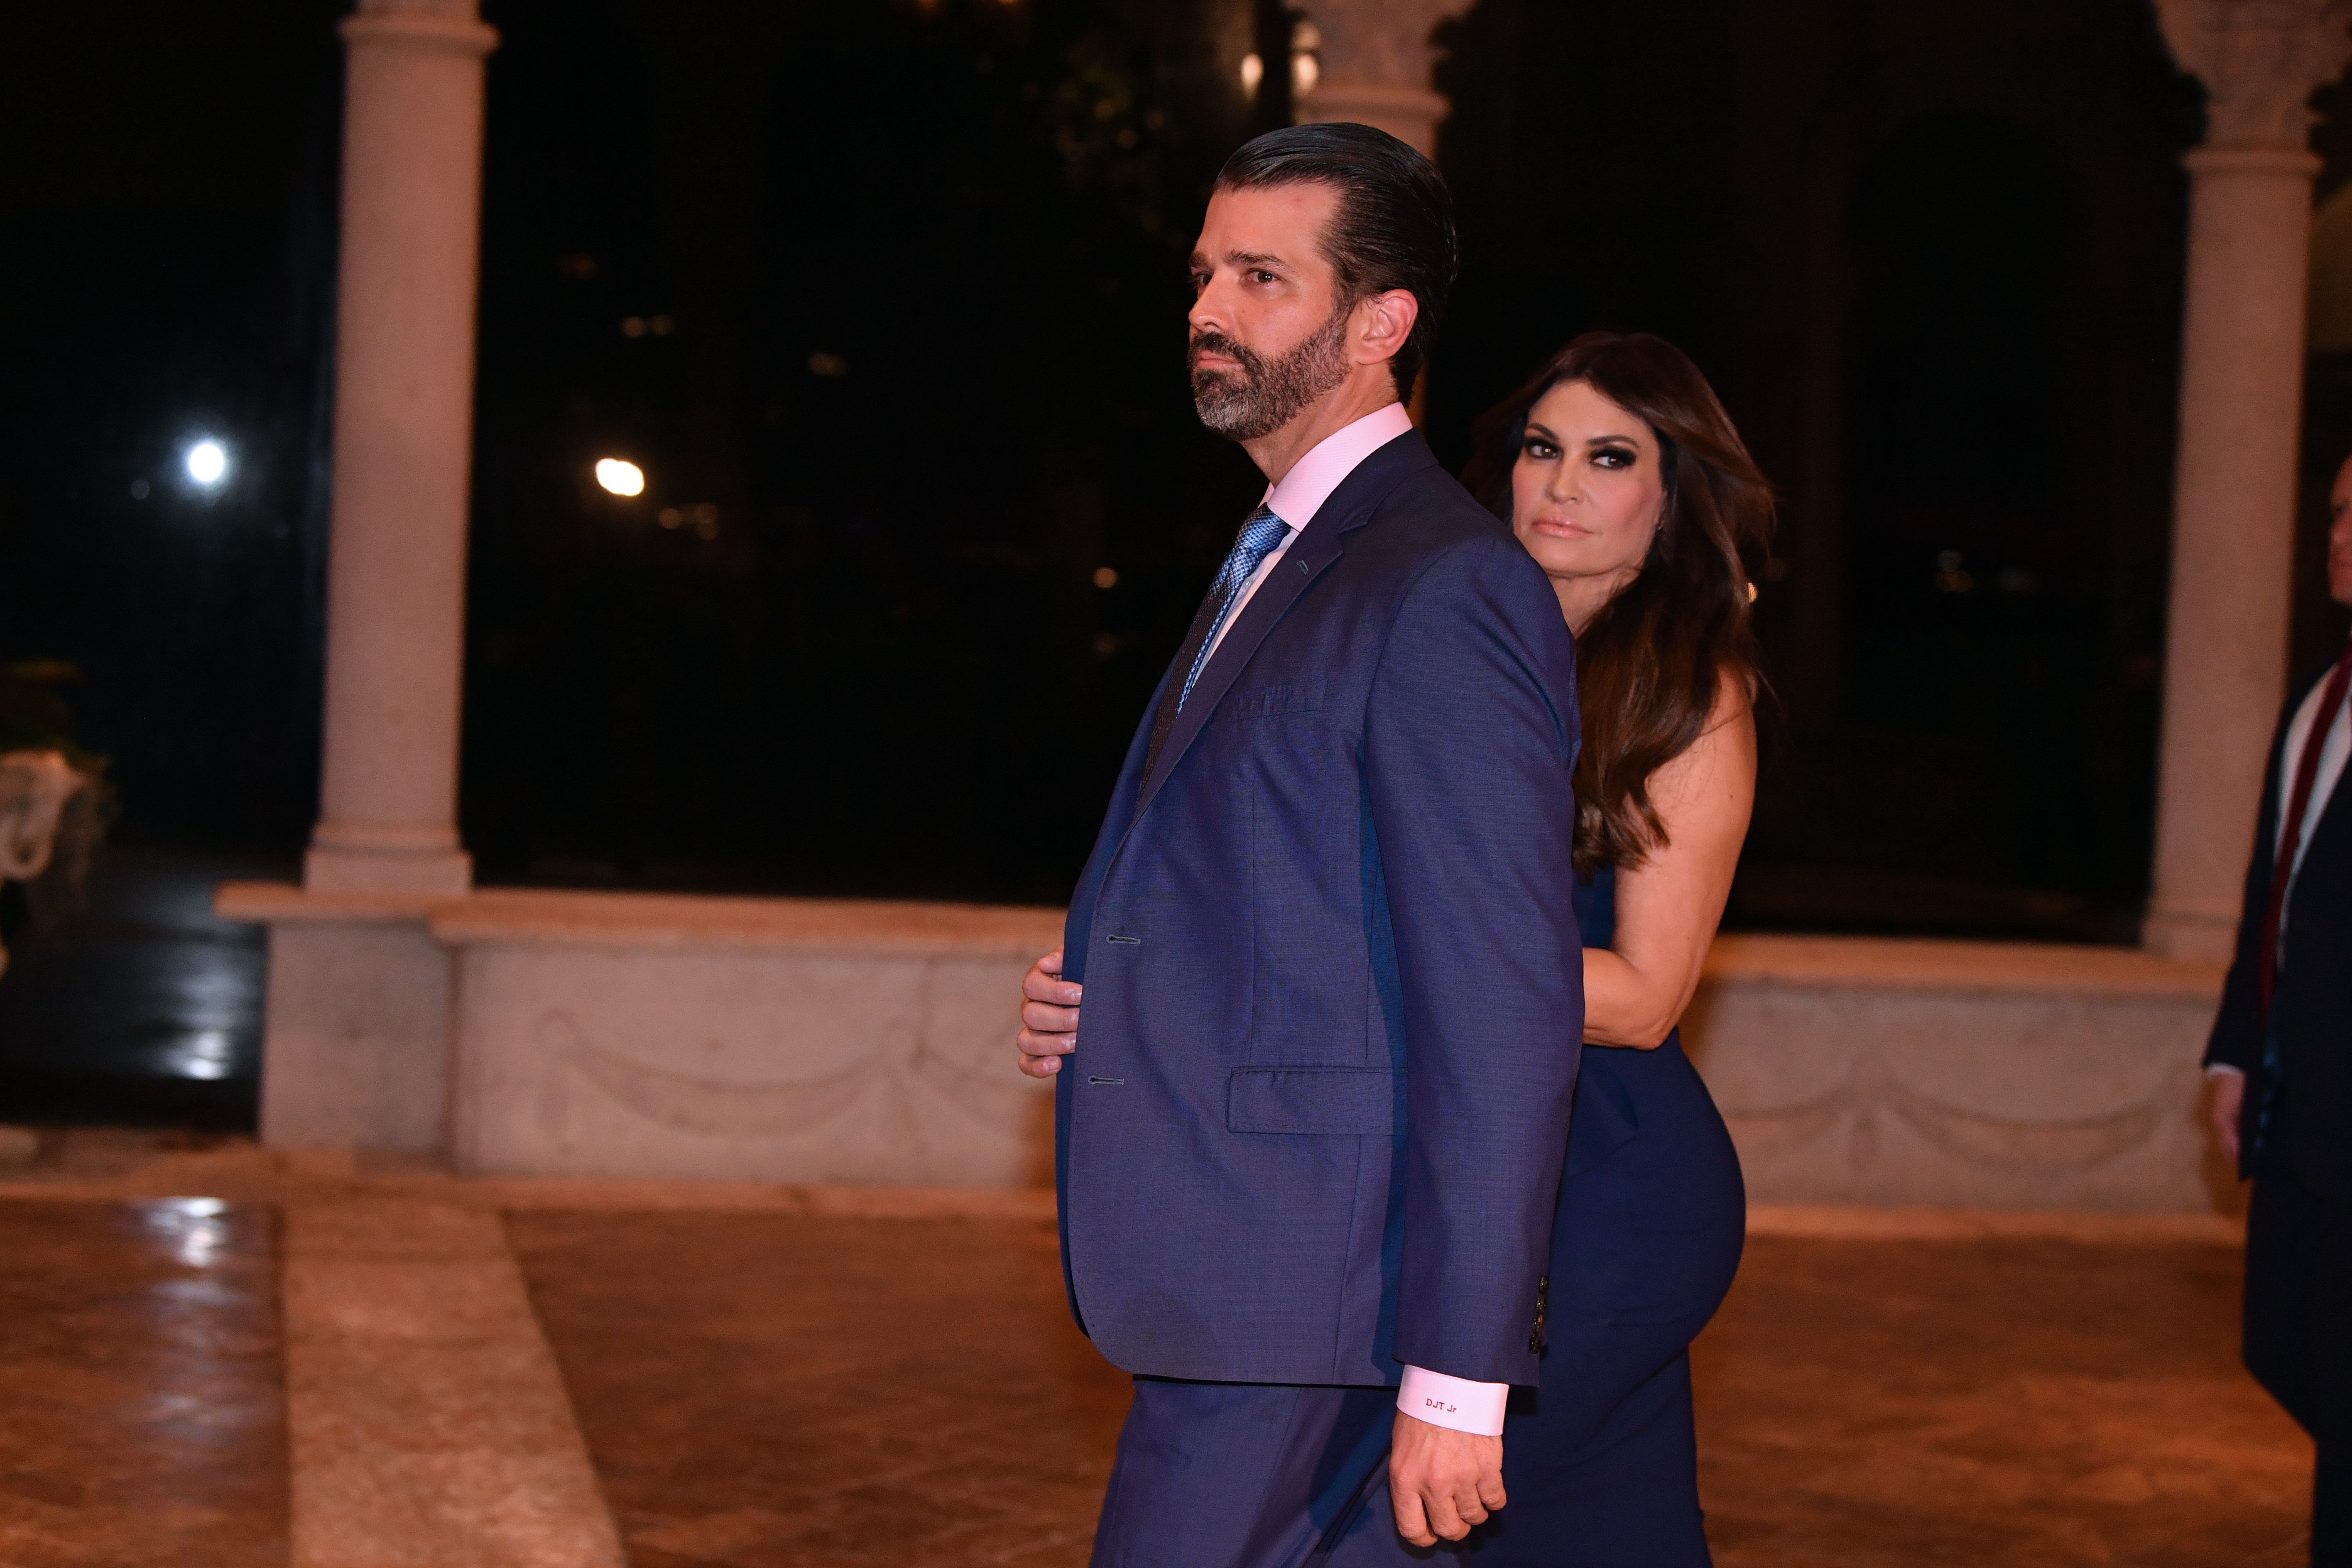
{"x":1311,"y":481}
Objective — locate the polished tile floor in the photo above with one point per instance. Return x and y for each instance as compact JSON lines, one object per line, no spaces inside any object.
{"x":912,"y":1393}
{"x":144,"y":1008}
{"x":2035,"y":1403}
{"x":754,"y":1388}
{"x":144,"y":1418}
{"x":760,"y":1389}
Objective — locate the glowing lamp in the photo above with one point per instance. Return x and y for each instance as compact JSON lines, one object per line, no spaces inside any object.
{"x":620,"y":477}
{"x":207,"y":463}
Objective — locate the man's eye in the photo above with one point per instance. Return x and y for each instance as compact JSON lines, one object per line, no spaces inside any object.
{"x":1262,"y":276}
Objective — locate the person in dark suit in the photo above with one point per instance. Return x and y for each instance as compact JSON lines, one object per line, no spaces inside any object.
{"x":1621,"y":475}
{"x":1307,"y":1167}
{"x":2281,"y":1061}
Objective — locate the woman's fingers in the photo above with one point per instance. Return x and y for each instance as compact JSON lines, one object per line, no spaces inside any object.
{"x":1049,"y":1017}
{"x":1042,"y":1054}
{"x":1048,"y":1042}
{"x":1044,"y":983}
{"x":1044,"y":1019}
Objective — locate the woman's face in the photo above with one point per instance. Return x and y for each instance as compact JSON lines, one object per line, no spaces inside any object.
{"x":1588,"y":490}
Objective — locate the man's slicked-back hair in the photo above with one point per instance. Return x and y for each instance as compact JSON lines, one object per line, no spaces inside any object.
{"x":1394,"y":226}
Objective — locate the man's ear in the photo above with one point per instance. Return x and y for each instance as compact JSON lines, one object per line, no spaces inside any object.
{"x":1382,"y":323}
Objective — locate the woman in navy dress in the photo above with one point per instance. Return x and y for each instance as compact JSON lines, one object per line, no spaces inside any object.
{"x":1620,"y":473}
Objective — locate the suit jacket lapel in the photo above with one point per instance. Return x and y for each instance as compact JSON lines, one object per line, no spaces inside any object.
{"x":1289,"y":579}
{"x":1320,"y":543}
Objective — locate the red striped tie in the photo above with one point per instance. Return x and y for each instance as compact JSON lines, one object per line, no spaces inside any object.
{"x":2306,"y":773}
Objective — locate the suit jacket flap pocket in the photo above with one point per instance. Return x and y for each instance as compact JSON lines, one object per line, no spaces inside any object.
{"x":1365,"y":1102}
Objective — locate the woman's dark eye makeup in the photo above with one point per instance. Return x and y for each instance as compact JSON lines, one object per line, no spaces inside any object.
{"x":1613,"y":455}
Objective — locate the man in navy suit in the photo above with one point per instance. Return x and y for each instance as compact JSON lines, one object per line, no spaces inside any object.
{"x":1308,"y":1154}
{"x":2281,"y":1058}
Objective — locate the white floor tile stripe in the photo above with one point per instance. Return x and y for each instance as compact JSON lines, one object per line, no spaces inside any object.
{"x":428,"y":1425}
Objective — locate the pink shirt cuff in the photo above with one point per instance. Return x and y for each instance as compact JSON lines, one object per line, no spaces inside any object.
{"x":1453,"y":1402}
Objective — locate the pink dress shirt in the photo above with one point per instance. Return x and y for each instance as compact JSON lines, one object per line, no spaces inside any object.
{"x":1296,"y":498}
{"x":1301,"y":492}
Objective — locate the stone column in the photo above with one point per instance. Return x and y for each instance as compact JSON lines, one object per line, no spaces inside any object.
{"x":403,"y":434}
{"x":2240,"y":420}
{"x":1374,"y":60}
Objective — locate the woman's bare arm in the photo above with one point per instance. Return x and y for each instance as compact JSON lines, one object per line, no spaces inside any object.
{"x":1668,"y":907}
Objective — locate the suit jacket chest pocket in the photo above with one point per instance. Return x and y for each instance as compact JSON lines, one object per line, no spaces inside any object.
{"x":1283,"y":742}
{"x":1275,"y":701}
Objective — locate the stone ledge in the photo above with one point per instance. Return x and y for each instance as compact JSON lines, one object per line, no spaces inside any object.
{"x":533,"y":917}
{"x":284,"y":903}
{"x":1927,"y":964}
{"x":518,"y":917}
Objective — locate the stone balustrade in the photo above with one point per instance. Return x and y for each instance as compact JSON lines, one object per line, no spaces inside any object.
{"x":524,"y":1033}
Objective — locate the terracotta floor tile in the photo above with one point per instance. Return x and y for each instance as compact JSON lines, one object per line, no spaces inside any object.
{"x":139,"y":1372}
{"x":756,"y":1388}
{"x":2044,"y":1403}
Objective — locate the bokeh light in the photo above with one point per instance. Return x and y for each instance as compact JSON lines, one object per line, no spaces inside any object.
{"x":207,"y":462}
{"x":620,"y":475}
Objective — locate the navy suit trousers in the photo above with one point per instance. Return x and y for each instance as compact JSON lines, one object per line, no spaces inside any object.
{"x":1600,"y":1460}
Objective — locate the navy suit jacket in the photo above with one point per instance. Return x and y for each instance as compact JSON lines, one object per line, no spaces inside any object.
{"x":2313,"y":1004}
{"x":1334,"y":987}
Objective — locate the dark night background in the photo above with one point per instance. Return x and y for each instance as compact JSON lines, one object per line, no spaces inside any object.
{"x":887,"y":299}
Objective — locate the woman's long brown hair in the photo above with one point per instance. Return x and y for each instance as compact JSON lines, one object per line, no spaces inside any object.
{"x":1648,"y":667}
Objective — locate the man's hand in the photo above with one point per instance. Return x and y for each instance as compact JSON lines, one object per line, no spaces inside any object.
{"x":1440,"y":1481}
{"x":2229,"y":1098}
{"x":1049,"y":1017}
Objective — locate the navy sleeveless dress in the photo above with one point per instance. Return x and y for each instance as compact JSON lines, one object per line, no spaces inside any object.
{"x":1601,"y":1460}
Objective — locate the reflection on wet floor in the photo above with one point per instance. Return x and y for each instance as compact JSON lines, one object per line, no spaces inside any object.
{"x":144,"y":1009}
{"x":139,"y":1368}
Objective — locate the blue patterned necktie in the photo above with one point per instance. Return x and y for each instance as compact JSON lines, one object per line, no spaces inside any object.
{"x":1261,"y":536}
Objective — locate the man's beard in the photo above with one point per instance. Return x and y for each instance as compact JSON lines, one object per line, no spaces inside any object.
{"x":1263,"y":397}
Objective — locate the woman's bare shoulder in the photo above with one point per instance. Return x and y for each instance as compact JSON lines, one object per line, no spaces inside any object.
{"x":1734,"y":707}
{"x":1724,"y":750}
